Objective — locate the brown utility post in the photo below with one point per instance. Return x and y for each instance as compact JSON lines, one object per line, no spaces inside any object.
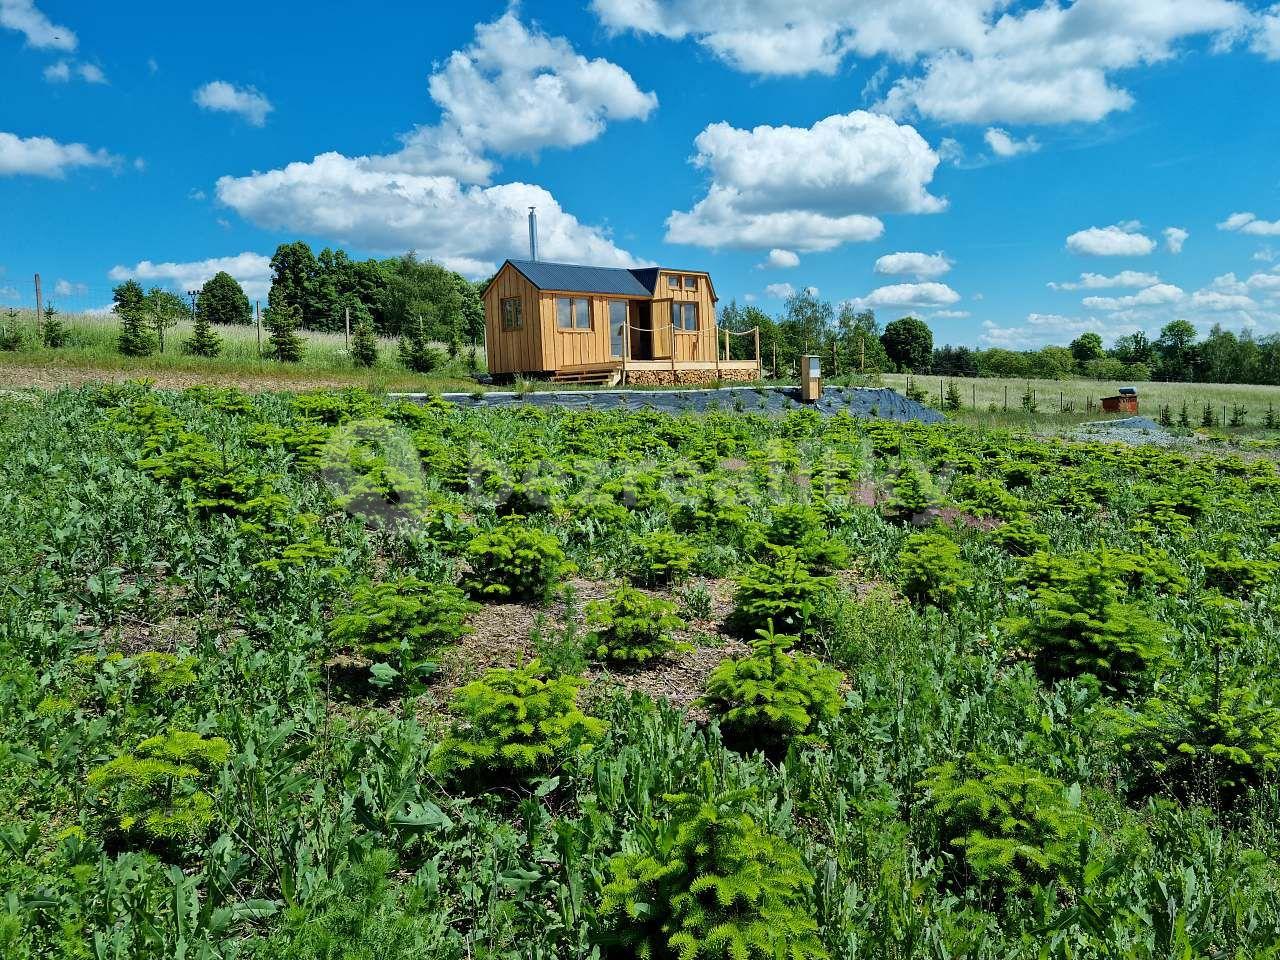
{"x":257,"y":321}
{"x":346,"y":335}
{"x":39,"y":305}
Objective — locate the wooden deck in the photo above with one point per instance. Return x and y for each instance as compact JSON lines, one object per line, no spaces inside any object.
{"x":648,"y":372}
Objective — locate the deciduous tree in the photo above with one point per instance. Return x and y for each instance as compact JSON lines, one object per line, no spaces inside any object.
{"x":908,"y":342}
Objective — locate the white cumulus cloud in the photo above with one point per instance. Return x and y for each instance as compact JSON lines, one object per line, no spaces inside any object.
{"x":922,"y":266}
{"x":40,"y":31}
{"x":517,"y":90}
{"x":1174,"y":238}
{"x":1250,"y":224}
{"x":1216,"y":301}
{"x":223,"y":97}
{"x":1266,"y":33}
{"x":45,"y":157}
{"x":468,"y":228}
{"x":68,"y":288}
{"x":930,"y":294}
{"x":64,"y":70}
{"x":808,"y":188}
{"x":1158,"y":294}
{"x":780,"y":259}
{"x":1056,"y":63}
{"x":252,"y":270}
{"x":1004,"y":145}
{"x":969,"y":61}
{"x":1049,"y":329}
{"x":1117,"y":240}
{"x":1098,"y":281}
{"x":780,"y":291}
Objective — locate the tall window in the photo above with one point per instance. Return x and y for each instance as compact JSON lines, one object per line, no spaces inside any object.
{"x":684,"y":316}
{"x":573,"y":313}
{"x":512,"y":319}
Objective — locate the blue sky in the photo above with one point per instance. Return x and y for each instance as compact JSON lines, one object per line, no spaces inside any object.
{"x":1014,"y":173}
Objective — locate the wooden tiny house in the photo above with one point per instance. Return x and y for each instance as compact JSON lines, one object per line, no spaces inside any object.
{"x":571,"y":323}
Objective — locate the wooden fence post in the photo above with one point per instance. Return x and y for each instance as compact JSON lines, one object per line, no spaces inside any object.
{"x":715,"y":344}
{"x":39,"y":306}
{"x":257,"y":321}
{"x":346,"y":334}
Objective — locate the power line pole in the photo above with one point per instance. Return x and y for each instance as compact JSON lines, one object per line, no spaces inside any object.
{"x":39,"y":305}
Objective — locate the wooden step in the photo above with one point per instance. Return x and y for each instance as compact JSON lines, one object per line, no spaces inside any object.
{"x":600,"y":377}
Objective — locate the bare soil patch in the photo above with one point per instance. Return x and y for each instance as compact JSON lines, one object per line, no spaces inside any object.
{"x":501,"y":637}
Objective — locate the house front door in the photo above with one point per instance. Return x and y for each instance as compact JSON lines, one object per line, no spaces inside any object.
{"x":641,"y":331}
{"x":617,"y":328}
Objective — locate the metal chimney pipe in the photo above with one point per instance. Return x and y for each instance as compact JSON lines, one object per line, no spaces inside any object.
{"x":533,"y":233}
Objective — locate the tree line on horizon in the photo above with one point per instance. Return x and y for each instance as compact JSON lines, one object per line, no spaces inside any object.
{"x":850,"y":340}
{"x":418,"y":301}
{"x":421,"y":302}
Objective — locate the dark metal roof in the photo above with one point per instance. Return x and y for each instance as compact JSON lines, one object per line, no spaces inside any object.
{"x":648,"y":276}
{"x":580,"y":279}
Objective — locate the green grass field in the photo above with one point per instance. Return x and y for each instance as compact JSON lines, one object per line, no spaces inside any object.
{"x":325,"y":359}
{"x":1071,"y":401}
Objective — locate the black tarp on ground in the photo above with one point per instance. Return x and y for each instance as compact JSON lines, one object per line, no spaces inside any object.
{"x":857,"y":401}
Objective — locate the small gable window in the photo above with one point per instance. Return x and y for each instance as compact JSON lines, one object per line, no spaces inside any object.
{"x":691,"y":283}
{"x":512,"y":319}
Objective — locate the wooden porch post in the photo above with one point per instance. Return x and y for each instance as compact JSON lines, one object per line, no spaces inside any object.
{"x":715,"y":343}
{"x":674,"y":381}
{"x":758,"y":371}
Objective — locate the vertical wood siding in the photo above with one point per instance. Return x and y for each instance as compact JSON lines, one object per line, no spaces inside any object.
{"x":543,"y":346}
{"x":512,"y":351}
{"x":692,"y":346}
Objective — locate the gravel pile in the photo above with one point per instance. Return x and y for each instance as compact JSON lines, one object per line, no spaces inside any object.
{"x":1134,"y":431}
{"x":856,"y":401}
